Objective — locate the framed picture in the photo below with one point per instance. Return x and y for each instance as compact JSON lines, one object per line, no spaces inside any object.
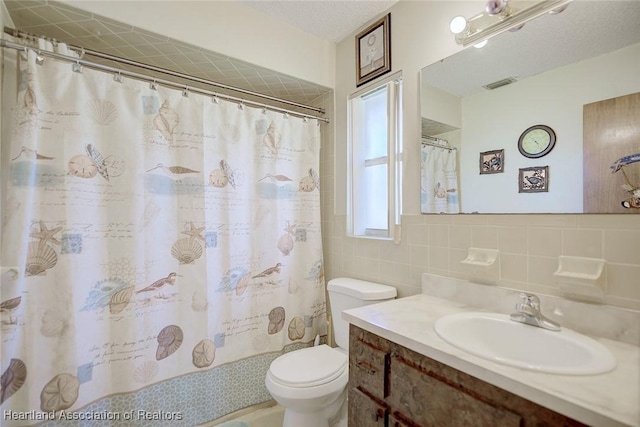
{"x":533,"y":180}
{"x":373,"y":51}
{"x":492,"y":162}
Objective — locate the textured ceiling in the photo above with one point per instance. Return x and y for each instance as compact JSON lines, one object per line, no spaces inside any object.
{"x":584,"y":30}
{"x":64,"y":23}
{"x":329,"y":20}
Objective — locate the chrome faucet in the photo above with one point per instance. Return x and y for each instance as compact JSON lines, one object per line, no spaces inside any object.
{"x":528,"y":312}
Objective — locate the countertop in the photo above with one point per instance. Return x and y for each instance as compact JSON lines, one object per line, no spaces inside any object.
{"x":610,"y":399}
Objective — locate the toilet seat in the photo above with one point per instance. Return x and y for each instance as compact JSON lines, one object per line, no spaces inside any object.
{"x":308,"y":367}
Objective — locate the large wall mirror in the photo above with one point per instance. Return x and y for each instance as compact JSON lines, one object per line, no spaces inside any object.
{"x":541,"y":120}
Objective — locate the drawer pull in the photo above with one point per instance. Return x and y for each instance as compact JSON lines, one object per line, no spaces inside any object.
{"x":378,"y":415}
{"x":365,"y":367}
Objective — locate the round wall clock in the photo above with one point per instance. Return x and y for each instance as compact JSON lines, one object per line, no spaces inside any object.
{"x":536,"y":141}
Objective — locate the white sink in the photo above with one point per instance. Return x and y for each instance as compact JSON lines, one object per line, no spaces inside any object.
{"x":497,"y":338}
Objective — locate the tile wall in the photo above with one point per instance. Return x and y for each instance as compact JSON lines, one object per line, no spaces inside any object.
{"x":529,"y":247}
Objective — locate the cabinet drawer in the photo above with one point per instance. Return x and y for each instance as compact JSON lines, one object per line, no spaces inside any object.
{"x":427,"y":401}
{"x":364,"y":411}
{"x":367,"y":368}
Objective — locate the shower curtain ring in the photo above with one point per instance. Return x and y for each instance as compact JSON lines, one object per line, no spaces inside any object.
{"x":264,"y":109}
{"x":118,"y":77}
{"x":77,"y":67}
{"x":215,"y":99}
{"x":153,"y":85}
{"x":185,"y":92}
{"x":286,"y":115}
{"x":39,"y":57}
{"x":241,"y":105}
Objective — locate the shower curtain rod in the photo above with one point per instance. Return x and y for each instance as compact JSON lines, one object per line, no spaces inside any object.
{"x":187,"y":89}
{"x":437,"y":142}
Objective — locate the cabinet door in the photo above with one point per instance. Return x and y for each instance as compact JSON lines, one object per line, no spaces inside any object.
{"x":428,"y":401}
{"x":367,"y":368}
{"x":364,"y":411}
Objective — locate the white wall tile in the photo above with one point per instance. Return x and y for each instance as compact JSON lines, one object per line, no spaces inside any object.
{"x":484,"y":237}
{"x":460,"y":236}
{"x":438,"y":235}
{"x":582,"y":243}
{"x":623,"y":280}
{"x":620,"y":222}
{"x":417,"y":234}
{"x":513,"y":268}
{"x":540,"y":270}
{"x":622,"y":246}
{"x":439,"y":258}
{"x":419,"y":255}
{"x":560,"y":221}
{"x":544,"y":241}
{"x":512,"y":240}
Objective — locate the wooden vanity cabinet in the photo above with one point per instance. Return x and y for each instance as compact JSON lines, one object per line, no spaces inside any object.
{"x":392,"y":386}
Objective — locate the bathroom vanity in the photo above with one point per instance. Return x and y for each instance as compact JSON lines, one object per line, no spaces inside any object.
{"x":403,"y":374}
{"x":389,"y":381}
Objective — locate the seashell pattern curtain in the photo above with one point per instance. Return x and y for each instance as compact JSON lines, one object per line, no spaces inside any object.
{"x":439,"y":180}
{"x":163,"y":248}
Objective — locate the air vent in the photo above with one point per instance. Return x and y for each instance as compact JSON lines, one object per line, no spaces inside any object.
{"x":500,"y":83}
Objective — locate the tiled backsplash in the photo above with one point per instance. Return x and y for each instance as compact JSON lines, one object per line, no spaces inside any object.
{"x":529,"y":247}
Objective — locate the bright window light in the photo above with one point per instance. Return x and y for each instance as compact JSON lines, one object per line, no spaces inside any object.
{"x":375,"y":161}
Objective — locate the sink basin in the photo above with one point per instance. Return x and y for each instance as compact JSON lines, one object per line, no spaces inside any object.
{"x":495,"y":337}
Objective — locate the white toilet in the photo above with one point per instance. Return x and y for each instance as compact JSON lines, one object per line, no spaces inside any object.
{"x":310,"y":383}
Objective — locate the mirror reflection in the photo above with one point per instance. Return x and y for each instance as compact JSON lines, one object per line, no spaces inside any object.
{"x":542,"y":120}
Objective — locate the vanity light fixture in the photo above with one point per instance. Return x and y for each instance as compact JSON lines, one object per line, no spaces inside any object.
{"x":500,"y":16}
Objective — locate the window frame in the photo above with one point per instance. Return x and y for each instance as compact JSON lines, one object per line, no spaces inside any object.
{"x":393,"y":159}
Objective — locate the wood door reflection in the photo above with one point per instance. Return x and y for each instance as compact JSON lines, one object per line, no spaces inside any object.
{"x":611,"y":130}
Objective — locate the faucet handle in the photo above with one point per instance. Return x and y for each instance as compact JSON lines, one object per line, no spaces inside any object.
{"x":528,"y":312}
{"x":529,"y":302}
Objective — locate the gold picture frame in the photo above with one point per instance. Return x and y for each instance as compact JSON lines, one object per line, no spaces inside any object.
{"x":373,"y":51}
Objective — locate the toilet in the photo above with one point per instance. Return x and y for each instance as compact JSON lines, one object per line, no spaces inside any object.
{"x":310,"y":383}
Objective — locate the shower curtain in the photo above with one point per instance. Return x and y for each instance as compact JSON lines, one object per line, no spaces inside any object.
{"x":439,"y":180}
{"x":159,"y":249}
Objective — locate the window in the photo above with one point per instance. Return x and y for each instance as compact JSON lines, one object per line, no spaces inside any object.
{"x":374,"y":164}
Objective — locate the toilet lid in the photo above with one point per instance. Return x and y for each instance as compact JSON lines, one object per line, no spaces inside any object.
{"x":309,"y":367}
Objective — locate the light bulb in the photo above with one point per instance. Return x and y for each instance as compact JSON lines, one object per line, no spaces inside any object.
{"x":458,"y":24}
{"x":481,"y":44}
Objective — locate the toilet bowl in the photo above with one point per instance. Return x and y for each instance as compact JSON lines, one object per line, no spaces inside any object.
{"x":310,"y":383}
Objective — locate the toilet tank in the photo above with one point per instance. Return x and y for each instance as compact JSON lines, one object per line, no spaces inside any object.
{"x":347,"y":293}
